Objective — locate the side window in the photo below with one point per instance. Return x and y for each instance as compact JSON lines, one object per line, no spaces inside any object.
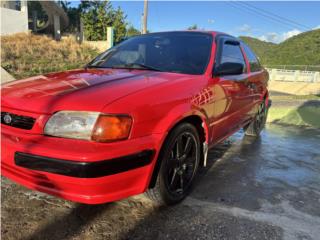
{"x":252,"y":58}
{"x":232,"y":53}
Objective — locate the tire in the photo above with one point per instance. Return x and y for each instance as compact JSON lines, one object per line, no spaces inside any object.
{"x":180,"y":157}
{"x":258,"y":123}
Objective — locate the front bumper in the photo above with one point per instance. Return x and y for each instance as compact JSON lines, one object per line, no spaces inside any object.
{"x":83,"y":169}
{"x":78,"y":170}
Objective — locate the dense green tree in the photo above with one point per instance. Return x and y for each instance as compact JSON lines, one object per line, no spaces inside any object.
{"x":132,"y":31}
{"x":193,"y":27}
{"x":98,"y":15}
{"x":119,"y":23}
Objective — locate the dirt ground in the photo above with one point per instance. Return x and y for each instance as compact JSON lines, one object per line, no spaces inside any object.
{"x":266,"y":188}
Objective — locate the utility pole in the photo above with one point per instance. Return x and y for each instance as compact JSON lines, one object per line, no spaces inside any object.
{"x":145,"y":17}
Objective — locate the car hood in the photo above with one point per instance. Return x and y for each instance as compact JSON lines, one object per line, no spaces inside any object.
{"x":85,"y":89}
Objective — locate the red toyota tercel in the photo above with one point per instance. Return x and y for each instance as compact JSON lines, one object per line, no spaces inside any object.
{"x":138,"y":118}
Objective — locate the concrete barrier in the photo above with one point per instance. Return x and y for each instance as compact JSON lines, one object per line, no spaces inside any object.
{"x":294,"y":75}
{"x":100,"y":45}
{"x":295,"y":82}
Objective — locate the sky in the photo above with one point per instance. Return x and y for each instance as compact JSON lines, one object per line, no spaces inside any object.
{"x":270,"y":21}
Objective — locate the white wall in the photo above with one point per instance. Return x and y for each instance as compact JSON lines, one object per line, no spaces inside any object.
{"x":294,"y":75}
{"x":13,"y":21}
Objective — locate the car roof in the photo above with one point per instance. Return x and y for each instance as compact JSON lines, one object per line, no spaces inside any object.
{"x":214,"y":33}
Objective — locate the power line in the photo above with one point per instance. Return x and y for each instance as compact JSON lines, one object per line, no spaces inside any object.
{"x":251,"y":11}
{"x":241,"y":8}
{"x":277,"y":16}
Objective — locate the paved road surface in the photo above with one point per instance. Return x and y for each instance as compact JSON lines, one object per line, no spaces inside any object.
{"x":267,"y":188}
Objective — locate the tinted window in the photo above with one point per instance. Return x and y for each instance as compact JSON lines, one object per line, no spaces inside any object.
{"x":232,"y":53}
{"x":182,"y":52}
{"x":252,"y":58}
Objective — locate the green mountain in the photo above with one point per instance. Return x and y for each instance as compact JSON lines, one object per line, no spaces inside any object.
{"x":302,"y":49}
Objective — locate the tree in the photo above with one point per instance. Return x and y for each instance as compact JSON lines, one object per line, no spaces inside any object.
{"x":132,"y":31}
{"x":97,"y":16}
{"x":193,"y":27}
{"x":73,"y":15}
{"x":119,"y":24}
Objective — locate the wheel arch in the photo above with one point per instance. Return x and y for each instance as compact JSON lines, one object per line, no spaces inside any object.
{"x":202,"y":128}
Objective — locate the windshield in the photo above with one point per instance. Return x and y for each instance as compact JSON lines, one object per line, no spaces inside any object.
{"x":181,"y":52}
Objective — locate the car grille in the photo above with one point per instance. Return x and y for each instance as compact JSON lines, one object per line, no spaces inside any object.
{"x":17,"y":121}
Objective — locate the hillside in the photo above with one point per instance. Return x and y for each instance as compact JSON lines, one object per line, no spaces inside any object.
{"x":302,"y":49}
{"x":261,"y":48}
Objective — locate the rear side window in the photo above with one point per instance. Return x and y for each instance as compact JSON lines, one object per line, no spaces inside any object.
{"x":232,"y":53}
{"x":252,"y":58}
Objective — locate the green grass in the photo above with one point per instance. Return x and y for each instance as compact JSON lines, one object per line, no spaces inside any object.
{"x":301,"y":116}
{"x":295,"y":97}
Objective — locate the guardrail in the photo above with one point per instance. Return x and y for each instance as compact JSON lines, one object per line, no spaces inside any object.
{"x":293,"y":75}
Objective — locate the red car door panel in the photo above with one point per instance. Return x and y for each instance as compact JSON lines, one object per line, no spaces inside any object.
{"x":232,"y":93}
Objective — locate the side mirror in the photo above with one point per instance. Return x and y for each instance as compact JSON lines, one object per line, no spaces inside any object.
{"x":229,"y":68}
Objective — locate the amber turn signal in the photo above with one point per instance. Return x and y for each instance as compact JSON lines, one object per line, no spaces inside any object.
{"x":111,"y":128}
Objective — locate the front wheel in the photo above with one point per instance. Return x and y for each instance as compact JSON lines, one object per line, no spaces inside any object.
{"x":180,"y":157}
{"x":255,"y":127}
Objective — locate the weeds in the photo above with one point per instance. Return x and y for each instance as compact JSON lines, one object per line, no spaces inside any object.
{"x":24,"y":55}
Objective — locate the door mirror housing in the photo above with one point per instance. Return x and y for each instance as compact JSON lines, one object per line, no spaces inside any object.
{"x":229,"y":68}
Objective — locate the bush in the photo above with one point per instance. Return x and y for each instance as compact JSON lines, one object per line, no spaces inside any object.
{"x":24,"y":55}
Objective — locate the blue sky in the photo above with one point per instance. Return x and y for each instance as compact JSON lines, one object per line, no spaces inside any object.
{"x":236,"y":18}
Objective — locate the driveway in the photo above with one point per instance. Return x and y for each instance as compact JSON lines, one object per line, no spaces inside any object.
{"x":266,"y":188}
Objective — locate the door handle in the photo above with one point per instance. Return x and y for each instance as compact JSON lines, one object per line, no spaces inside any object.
{"x":252,"y":86}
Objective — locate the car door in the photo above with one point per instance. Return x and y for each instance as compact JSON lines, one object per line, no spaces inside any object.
{"x":257,"y":77}
{"x":231,"y":92}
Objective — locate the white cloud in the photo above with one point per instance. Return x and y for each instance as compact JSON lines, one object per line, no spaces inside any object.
{"x":245,"y":28}
{"x":290,"y":34}
{"x":211,"y":21}
{"x":317,"y":27}
{"x":279,"y":37}
{"x":269,"y":37}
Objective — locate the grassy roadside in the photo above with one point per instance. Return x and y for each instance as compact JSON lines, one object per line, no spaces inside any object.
{"x":295,"y":110}
{"x":295,"y":97}
{"x":24,"y":55}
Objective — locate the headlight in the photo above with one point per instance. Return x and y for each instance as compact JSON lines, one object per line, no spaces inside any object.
{"x":89,"y":126}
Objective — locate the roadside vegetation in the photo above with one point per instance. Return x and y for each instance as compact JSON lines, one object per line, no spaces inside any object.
{"x":24,"y":55}
{"x":295,"y":97}
{"x":295,"y":110}
{"x":307,"y":116}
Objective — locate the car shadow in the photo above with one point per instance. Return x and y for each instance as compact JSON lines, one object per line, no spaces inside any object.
{"x":179,"y":221}
{"x":82,"y":216}
{"x":71,"y":224}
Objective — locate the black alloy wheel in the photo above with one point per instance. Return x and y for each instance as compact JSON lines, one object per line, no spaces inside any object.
{"x":180,"y":159}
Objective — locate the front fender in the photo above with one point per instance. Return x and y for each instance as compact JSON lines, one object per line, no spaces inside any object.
{"x":178,"y":114}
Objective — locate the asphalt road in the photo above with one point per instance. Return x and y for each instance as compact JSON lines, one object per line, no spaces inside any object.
{"x":266,"y":188}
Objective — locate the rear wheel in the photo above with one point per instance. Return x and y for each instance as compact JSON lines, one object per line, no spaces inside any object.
{"x":180,"y":157}
{"x":259,"y":121}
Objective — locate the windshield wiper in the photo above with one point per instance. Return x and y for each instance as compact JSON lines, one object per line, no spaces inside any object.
{"x":140,"y":66}
{"x":93,"y":66}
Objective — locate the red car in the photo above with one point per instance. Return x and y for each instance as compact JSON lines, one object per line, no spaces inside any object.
{"x":138,"y":118}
